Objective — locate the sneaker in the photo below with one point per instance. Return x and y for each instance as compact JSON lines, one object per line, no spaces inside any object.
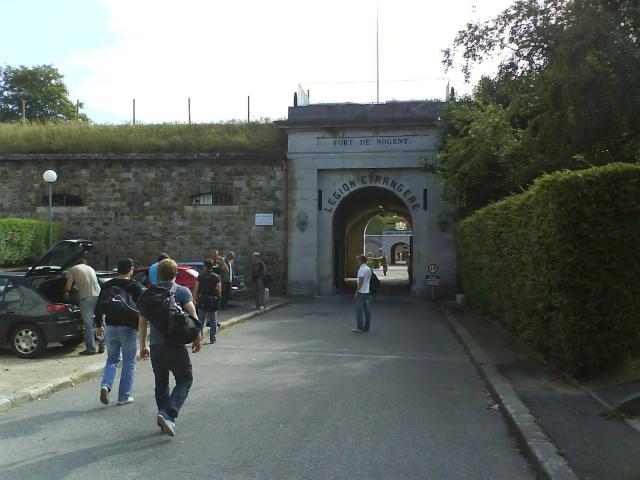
{"x":87,"y":352}
{"x":167,"y":426}
{"x":126,"y":401}
{"x":357,"y":330}
{"x":104,"y":395}
{"x":262,"y":307}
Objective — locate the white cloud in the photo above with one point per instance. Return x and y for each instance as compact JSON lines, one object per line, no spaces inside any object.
{"x":218,"y":52}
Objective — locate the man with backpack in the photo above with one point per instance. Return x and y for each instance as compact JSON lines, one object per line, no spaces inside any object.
{"x":363,"y":296}
{"x":170,"y":310}
{"x":116,"y":307}
{"x":207,"y":292}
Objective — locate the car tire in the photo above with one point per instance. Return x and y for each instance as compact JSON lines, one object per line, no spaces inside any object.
{"x":74,"y":342}
{"x":27,"y":341}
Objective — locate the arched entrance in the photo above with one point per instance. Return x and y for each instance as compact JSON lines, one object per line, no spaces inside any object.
{"x":350,"y":221}
{"x":400,"y":253}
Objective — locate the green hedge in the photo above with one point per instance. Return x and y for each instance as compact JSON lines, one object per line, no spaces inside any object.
{"x":22,"y":241}
{"x":560,"y":265}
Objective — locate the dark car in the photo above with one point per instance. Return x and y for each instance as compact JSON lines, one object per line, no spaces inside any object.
{"x":33,"y":312}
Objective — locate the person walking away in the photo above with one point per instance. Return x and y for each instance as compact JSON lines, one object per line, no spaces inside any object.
{"x":165,"y":356}
{"x":258,"y":271}
{"x":207,"y":293}
{"x":88,"y":288}
{"x":227,"y":280}
{"x":383,"y":261}
{"x":363,"y":297}
{"x":152,"y":276}
{"x":219,"y":264}
{"x":117,"y":308}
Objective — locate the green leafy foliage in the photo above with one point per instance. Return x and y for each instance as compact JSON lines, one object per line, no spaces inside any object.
{"x":42,"y":88}
{"x":566,"y":96}
{"x":560,"y":265}
{"x":23,"y":240}
{"x":164,"y":138}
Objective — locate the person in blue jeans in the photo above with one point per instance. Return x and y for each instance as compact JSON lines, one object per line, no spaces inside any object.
{"x":207,"y":292}
{"x":168,"y":357}
{"x":121,"y":332}
{"x":363,"y":297}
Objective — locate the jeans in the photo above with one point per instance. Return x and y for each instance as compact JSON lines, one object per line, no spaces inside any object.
{"x":203,"y":315}
{"x":174,"y":359}
{"x":363,"y":311}
{"x":122,"y":342}
{"x":87,"y":307}
{"x":259,"y":292}
{"x":226,"y":295}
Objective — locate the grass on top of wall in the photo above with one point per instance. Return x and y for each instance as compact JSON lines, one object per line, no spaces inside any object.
{"x":163,"y":138}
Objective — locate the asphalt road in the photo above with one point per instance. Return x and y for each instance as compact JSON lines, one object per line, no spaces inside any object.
{"x":293,"y":394}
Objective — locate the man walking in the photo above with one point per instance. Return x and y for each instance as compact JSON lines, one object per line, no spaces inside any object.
{"x":258,"y":271}
{"x":227,"y":280}
{"x":153,"y":269}
{"x":207,"y":292}
{"x":88,"y":288}
{"x":168,"y":357}
{"x":116,"y":303}
{"x":363,"y":297}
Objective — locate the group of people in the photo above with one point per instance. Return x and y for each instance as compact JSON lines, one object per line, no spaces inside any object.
{"x":115,"y":315}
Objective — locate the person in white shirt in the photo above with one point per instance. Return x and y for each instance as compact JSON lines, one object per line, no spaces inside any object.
{"x":363,"y":297}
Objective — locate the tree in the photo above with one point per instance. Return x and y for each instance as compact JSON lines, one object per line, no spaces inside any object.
{"x":43,"y":90}
{"x":567,"y":89}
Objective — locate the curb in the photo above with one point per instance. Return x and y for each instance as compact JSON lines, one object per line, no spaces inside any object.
{"x":538,"y":448}
{"x":39,"y":392}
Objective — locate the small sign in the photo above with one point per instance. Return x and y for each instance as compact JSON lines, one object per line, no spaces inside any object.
{"x":432,"y":268}
{"x":432,"y":280}
{"x":264,"y":219}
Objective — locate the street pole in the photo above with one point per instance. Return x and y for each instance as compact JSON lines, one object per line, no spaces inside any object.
{"x":189,"y":108}
{"x":50,"y":213}
{"x":248,"y":109}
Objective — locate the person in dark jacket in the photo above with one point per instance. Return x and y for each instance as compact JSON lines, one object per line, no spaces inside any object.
{"x":121,"y":333}
{"x":258,"y":271}
{"x":207,"y":292}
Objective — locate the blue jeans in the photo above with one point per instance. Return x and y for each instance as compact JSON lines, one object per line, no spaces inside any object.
{"x":122,"y":342}
{"x":174,"y":359}
{"x":363,"y":311}
{"x":87,"y":307}
{"x":213,"y":318}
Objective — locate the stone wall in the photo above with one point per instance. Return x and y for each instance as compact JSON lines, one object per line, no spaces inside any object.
{"x":138,"y":205}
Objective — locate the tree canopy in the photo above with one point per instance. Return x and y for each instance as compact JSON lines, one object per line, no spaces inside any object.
{"x":566,"y":96}
{"x":43,"y":90}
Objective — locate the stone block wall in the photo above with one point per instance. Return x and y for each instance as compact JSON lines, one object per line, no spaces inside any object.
{"x":138,"y":205}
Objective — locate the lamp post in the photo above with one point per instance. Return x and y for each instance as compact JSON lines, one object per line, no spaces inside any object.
{"x":50,"y":177}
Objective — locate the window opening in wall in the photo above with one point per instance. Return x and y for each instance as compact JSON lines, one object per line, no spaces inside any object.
{"x":219,"y":195}
{"x":62,"y":200}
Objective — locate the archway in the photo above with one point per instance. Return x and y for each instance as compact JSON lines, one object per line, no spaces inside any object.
{"x":400,"y":252}
{"x":350,"y":221}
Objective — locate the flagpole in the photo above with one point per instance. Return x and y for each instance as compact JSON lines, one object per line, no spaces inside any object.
{"x":377,"y":57}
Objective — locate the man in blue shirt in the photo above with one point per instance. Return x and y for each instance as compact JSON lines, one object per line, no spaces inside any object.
{"x":167,"y":357}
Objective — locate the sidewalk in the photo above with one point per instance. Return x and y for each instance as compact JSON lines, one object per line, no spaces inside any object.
{"x":555,"y":419}
{"x":61,"y":367}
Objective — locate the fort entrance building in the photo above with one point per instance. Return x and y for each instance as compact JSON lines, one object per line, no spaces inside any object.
{"x":305,"y":204}
{"x":349,"y":163}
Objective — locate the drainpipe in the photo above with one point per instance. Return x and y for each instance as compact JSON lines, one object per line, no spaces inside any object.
{"x":285,"y":270}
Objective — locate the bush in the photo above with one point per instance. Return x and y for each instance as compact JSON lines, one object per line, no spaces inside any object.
{"x":560,"y":265}
{"x":23,"y":241}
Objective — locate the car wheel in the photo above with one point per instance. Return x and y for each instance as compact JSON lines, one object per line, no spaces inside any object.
{"x":27,"y":341}
{"x":74,"y":342}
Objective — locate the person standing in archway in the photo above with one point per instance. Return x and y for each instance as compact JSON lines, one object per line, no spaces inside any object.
{"x":363,"y":297}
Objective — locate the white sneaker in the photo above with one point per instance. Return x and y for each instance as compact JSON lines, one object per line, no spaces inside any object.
{"x":166,"y":425}
{"x":127,"y":401}
{"x":262,"y":308}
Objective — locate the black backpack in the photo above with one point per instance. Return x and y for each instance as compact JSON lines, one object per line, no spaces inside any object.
{"x":159,"y":306}
{"x":116,"y":302}
{"x":374,"y":283}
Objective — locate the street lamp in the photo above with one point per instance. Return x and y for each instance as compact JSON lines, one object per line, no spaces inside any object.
{"x":50,"y":177}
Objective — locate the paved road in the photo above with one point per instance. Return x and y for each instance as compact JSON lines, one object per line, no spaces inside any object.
{"x":290,"y":395}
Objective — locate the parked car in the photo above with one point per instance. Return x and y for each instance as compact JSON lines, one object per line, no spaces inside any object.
{"x":33,"y":312}
{"x":187,"y":276}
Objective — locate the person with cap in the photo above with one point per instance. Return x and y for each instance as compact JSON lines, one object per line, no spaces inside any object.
{"x":117,"y":308}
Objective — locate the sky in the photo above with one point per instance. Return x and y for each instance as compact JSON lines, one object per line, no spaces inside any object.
{"x":218,"y":53}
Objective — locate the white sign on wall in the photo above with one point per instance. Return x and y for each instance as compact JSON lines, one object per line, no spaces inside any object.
{"x":264,"y":219}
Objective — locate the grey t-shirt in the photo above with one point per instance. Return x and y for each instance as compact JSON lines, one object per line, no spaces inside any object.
{"x":183,"y":296}
{"x":85,"y":278}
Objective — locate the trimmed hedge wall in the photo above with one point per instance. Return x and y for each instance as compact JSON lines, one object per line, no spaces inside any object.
{"x":22,"y":241}
{"x":559,"y":265}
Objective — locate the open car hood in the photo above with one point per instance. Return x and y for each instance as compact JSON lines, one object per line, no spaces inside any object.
{"x":59,"y":257}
